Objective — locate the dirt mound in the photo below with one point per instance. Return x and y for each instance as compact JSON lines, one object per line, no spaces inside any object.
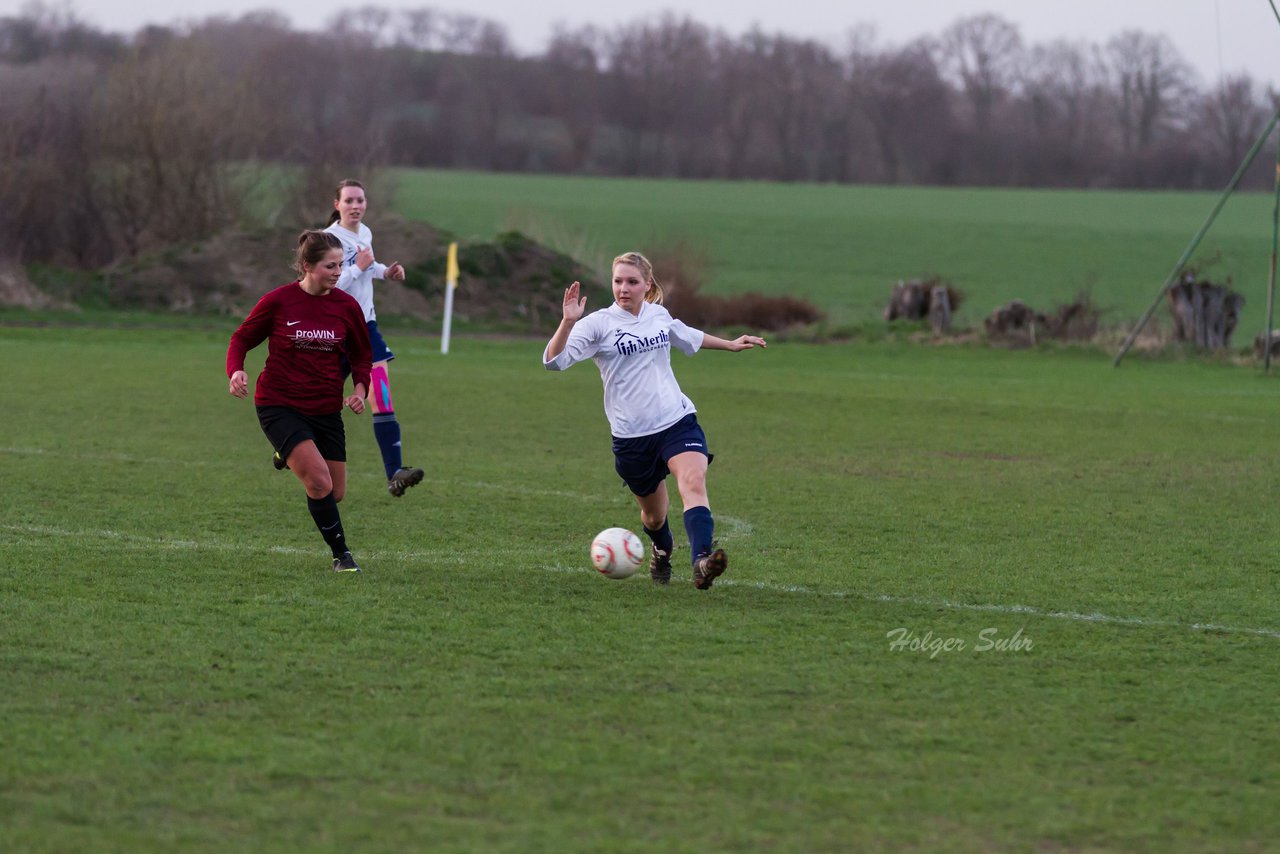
{"x":18,"y":290}
{"x":512,"y":283}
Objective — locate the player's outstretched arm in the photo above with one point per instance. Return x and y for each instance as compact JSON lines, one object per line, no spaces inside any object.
{"x":742,"y":342}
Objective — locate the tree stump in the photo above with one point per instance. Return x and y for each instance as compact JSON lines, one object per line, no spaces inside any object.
{"x":1204,"y":314}
{"x":1014,"y":321}
{"x":939,"y":309}
{"x":1258,"y":346}
{"x":908,"y":301}
{"x":934,"y":300}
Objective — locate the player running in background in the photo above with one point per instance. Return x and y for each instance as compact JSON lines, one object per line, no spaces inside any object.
{"x":359,"y":269}
{"x":310,"y":326}
{"x":655,"y":430}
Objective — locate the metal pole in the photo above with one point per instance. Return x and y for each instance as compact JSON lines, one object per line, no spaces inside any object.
{"x":1195,"y":241}
{"x":448,"y":318}
{"x":1271,"y":278}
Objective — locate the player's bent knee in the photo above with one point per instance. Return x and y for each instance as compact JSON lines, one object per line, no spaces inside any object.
{"x":693,"y":482}
{"x":318,"y":486}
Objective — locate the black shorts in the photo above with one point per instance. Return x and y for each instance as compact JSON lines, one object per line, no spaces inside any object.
{"x":286,"y":428}
{"x":641,"y":461}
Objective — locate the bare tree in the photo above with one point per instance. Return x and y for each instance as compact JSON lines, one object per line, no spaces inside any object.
{"x":574,"y":88}
{"x":1149,"y":81}
{"x":802,"y":97}
{"x":662,"y":96}
{"x":1066,"y":126}
{"x":166,"y":125}
{"x":984,"y":54}
{"x":1232,"y":116}
{"x":46,"y":171}
{"x":908,"y":107}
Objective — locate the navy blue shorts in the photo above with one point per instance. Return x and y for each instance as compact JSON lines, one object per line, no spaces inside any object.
{"x":381,"y":352}
{"x":642,"y":461}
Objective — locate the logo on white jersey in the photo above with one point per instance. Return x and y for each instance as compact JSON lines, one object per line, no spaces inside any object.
{"x":627,"y":344}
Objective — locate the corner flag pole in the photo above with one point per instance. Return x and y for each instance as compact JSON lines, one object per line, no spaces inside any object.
{"x":450,"y":285}
{"x":1195,"y":241}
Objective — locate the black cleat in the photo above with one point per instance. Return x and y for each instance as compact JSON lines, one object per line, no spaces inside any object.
{"x":403,"y":479}
{"x":708,"y":568}
{"x":278,"y":461}
{"x":346,"y":563}
{"x":660,"y":567}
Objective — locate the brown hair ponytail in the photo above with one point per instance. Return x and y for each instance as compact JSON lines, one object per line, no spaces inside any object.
{"x":313,"y":245}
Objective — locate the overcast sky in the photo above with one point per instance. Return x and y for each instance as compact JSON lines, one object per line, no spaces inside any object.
{"x":1228,"y":35}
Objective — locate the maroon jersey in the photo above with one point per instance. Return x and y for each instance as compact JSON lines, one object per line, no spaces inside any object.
{"x":309,"y":336}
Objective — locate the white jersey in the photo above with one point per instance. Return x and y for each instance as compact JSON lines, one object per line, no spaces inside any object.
{"x":633,"y":353}
{"x":353,"y":281}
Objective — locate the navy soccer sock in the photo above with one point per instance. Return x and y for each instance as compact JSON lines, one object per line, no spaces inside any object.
{"x":325,"y":513}
{"x":386,"y":429}
{"x":662,"y":539}
{"x":699,"y":525}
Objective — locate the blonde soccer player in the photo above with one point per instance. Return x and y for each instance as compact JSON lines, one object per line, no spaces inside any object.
{"x":655,"y":427}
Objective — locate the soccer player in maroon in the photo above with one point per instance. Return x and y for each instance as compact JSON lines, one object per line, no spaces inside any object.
{"x":311,"y":326}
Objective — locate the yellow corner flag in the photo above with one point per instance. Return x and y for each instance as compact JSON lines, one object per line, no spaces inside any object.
{"x":451,"y":272}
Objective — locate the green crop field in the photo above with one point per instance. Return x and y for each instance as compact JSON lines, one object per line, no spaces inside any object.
{"x":978,"y":600}
{"x":843,"y":247}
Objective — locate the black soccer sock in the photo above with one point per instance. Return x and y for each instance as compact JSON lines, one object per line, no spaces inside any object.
{"x":325,"y":512}
{"x":662,"y":539}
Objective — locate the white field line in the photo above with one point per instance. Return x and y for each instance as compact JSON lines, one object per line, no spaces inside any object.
{"x":733,"y":527}
{"x":946,"y":605}
{"x":515,"y":556}
{"x":739,"y":528}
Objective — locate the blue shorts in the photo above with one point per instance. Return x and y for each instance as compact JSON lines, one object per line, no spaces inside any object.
{"x":381,"y":352}
{"x":642,"y":461}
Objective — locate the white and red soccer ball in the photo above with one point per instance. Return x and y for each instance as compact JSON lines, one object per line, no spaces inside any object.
{"x":617,"y":553}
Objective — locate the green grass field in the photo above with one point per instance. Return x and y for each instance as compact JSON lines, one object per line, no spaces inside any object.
{"x":843,"y":247}
{"x":182,"y":670}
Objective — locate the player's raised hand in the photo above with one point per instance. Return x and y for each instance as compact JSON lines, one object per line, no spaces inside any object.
{"x":364,"y":258}
{"x":395,"y":272}
{"x":239,"y":384}
{"x":573,"y":306}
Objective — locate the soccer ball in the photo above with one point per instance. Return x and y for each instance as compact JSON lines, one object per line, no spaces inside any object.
{"x":617,"y":553}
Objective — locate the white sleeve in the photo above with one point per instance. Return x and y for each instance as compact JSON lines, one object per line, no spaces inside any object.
{"x":582,"y":343}
{"x":379,"y":270}
{"x":348,"y":277}
{"x":684,"y":338}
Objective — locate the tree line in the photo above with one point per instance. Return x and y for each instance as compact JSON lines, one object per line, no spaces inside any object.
{"x":112,"y":144}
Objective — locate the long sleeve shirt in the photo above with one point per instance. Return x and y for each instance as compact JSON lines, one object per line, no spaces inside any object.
{"x":308,"y":337}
